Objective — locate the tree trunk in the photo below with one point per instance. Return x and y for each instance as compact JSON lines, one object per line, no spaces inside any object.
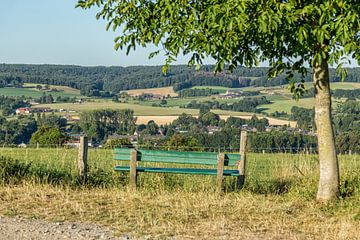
{"x":329,"y":169}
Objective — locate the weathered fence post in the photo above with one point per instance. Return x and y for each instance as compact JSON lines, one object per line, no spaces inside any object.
{"x":242,"y":162}
{"x":133,"y":165}
{"x":82,"y":157}
{"x":220,"y":172}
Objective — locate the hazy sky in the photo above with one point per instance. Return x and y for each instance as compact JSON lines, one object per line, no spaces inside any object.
{"x":55,"y":32}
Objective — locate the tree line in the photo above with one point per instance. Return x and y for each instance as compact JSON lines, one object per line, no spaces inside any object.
{"x":243,"y":105}
{"x":106,"y":81}
{"x":193,"y":92}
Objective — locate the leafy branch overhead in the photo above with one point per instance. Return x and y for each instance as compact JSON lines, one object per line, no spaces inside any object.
{"x":288,"y":34}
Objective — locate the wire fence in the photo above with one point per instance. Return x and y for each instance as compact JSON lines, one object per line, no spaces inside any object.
{"x":268,"y":169}
{"x":229,"y":149}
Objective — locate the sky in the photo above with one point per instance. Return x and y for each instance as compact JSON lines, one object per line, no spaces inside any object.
{"x":55,"y":32}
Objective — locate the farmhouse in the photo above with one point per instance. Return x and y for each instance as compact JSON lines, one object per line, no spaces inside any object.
{"x":213,"y":129}
{"x":26,"y":110}
{"x":235,"y":93}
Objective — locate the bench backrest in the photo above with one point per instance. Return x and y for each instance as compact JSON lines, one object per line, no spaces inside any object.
{"x":203,"y":158}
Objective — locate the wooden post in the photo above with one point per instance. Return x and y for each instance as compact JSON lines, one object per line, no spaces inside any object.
{"x":82,"y":157}
{"x":220,"y":172}
{"x":133,"y":165}
{"x":242,"y":162}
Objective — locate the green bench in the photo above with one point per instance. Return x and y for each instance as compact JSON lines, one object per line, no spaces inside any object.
{"x":220,"y":160}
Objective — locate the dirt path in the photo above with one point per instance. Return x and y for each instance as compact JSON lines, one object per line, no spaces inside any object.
{"x":23,"y":229}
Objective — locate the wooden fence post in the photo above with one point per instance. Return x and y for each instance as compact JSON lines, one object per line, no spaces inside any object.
{"x":220,"y":172}
{"x":133,"y":165}
{"x":242,"y":162}
{"x":82,"y":157}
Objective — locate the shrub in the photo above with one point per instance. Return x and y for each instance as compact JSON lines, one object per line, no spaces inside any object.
{"x":114,"y":143}
{"x":13,"y":170}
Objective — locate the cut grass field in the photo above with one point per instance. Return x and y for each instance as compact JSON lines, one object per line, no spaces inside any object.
{"x":164,"y":91}
{"x":169,"y":119}
{"x":277,"y":201}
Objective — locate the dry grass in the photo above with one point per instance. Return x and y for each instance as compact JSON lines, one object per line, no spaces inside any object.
{"x":184,"y":215}
{"x":164,"y":91}
{"x":276,"y":203}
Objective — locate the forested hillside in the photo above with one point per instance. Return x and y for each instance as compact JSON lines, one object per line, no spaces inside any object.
{"x":93,"y":81}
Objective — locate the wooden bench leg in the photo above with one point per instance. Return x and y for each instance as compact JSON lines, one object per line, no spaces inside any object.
{"x":220,"y":172}
{"x":133,"y":172}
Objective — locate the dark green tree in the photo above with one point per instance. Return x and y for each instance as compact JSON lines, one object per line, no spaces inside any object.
{"x":48,"y":136}
{"x":289,"y":34}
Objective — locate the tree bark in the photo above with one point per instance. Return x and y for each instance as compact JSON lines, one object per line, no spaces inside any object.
{"x":329,"y":168}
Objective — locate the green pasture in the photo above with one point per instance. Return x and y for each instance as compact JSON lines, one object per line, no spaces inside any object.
{"x":286,"y":105}
{"x":34,"y":93}
{"x":143,"y":110}
{"x":338,"y":85}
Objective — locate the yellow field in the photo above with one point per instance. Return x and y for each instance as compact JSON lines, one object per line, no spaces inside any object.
{"x":164,"y":91}
{"x":161,"y":120}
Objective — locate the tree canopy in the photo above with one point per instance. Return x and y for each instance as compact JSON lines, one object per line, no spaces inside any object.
{"x":288,"y":34}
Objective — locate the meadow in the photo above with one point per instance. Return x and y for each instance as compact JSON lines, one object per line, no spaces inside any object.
{"x":139,"y":109}
{"x":277,"y":201}
{"x":29,"y":90}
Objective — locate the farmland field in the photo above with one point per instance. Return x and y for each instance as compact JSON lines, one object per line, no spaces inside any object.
{"x":339,"y":85}
{"x":34,"y":93}
{"x":169,"y":119}
{"x":277,"y":201}
{"x":160,"y":115}
{"x":138,"y":109}
{"x":286,"y":105}
{"x":164,"y":91}
{"x":66,"y":89}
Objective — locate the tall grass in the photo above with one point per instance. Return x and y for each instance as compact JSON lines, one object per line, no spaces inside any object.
{"x":266,"y":173}
{"x":277,"y":201}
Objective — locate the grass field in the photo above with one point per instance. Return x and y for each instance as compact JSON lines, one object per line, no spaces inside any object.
{"x":142,"y":110}
{"x":286,"y":105}
{"x":28,"y":91}
{"x":339,"y":85}
{"x":277,"y":201}
{"x":66,"y":89}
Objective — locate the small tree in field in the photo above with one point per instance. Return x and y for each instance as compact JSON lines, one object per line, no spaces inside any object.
{"x":290,"y":35}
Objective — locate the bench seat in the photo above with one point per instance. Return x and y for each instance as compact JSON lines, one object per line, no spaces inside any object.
{"x":179,"y":170}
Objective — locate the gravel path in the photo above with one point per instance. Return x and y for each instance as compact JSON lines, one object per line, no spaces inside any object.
{"x":18,"y":228}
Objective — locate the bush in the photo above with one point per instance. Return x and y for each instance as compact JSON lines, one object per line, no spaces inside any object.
{"x":13,"y":170}
{"x":114,"y":143}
